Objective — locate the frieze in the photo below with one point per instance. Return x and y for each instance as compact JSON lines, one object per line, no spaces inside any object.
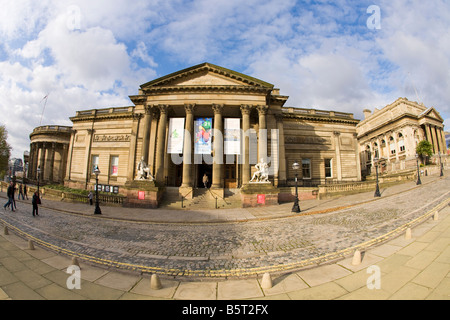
{"x":307,"y":140}
{"x":112,"y":138}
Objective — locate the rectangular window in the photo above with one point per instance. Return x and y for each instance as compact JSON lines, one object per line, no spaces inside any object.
{"x":328,"y":167}
{"x":94,"y":162}
{"x":114,"y":165}
{"x":392,"y":148}
{"x":401,"y":145}
{"x":306,"y":168}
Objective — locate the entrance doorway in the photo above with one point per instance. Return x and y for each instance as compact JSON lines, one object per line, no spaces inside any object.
{"x":230,"y":176}
{"x":201,"y":170}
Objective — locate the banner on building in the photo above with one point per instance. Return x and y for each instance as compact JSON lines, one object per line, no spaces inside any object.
{"x":176,"y":135}
{"x":232,"y":136}
{"x":202,"y":135}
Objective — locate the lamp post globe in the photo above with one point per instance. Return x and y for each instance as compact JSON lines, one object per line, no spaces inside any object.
{"x":97,"y":203}
{"x":296,"y":206}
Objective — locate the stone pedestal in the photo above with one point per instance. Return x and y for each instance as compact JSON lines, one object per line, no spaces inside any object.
{"x":142,"y":194}
{"x":259,"y":194}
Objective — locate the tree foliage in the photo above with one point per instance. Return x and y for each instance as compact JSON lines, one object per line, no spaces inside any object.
{"x":5,"y":151}
{"x":424,"y":149}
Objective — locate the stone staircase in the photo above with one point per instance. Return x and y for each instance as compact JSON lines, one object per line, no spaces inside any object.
{"x":203,"y":199}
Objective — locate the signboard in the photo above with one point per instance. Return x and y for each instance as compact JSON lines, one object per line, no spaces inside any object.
{"x":176,"y":135}
{"x":261,"y":199}
{"x":232,"y":136}
{"x":202,"y":135}
{"x":141,"y":195}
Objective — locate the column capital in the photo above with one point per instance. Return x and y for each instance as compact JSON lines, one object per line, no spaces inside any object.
{"x":246,"y":109}
{"x":189,"y":108}
{"x":148,"y":109}
{"x":218,"y":108}
{"x":262,"y":109}
{"x":163,"y":108}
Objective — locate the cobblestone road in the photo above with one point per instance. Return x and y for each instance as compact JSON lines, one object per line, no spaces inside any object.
{"x":223,"y":249}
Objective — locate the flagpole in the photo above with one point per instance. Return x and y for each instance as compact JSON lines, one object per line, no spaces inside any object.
{"x":42,"y":115}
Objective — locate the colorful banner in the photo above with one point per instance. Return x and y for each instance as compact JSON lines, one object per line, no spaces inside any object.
{"x":176,"y":135}
{"x":232,"y":136}
{"x":202,"y":135}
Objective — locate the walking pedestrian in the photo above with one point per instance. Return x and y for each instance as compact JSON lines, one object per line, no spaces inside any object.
{"x":10,"y":194}
{"x":205,"y":180}
{"x":91,"y":197}
{"x":20,"y":192}
{"x":25,"y":190}
{"x":35,"y":201}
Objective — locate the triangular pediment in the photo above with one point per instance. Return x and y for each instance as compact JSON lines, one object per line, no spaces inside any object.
{"x":206,"y":74}
{"x":431,"y":113}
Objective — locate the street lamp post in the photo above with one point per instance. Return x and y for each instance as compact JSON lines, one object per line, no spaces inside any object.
{"x":97,"y":203}
{"x":38,"y":177}
{"x":441,"y":165}
{"x":377,"y":190}
{"x":296,"y":207}
{"x":418,"y":171}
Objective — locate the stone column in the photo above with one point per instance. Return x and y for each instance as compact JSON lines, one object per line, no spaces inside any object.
{"x":262,"y":142}
{"x":41,"y":161}
{"x":428,"y":133}
{"x":434,"y":139}
{"x":51,"y":161}
{"x":132,"y":149}
{"x":161,"y":137}
{"x":69,"y":155}
{"x":246,"y":170}
{"x":217,"y":176}
{"x":153,"y":134}
{"x":338,"y":154}
{"x":146,"y":137}
{"x":188,"y":148}
{"x":444,"y":143}
{"x":282,"y":151}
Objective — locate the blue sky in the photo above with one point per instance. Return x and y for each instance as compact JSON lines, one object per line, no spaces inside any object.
{"x":322,"y":54}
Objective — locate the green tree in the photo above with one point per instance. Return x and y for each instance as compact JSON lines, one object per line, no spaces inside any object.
{"x":424,"y":149}
{"x":5,"y":151}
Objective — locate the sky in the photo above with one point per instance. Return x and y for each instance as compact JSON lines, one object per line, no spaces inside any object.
{"x":331,"y":55}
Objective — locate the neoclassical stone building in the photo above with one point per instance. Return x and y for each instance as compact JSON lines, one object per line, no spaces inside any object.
{"x":207,"y":120}
{"x":48,"y":152}
{"x":392,"y":134}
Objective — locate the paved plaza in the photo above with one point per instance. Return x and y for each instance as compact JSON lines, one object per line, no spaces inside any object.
{"x":223,"y":254}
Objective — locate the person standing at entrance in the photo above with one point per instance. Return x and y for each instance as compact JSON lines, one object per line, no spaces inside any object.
{"x":205,"y":180}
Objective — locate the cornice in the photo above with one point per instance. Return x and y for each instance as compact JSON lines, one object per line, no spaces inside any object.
{"x":204,"y":89}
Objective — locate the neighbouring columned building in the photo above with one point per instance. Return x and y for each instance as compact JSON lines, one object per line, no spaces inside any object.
{"x":48,"y":152}
{"x":392,"y":134}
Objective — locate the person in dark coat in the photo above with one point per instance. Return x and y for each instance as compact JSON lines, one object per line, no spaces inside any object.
{"x":35,"y":201}
{"x":25,"y":190}
{"x":20,"y":192}
{"x":10,"y":194}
